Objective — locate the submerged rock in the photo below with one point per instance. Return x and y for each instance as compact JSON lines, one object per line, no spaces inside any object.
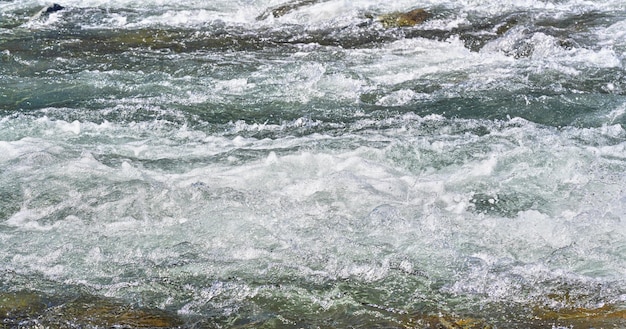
{"x":502,"y":204}
{"x":20,"y":304}
{"x":602,"y":317}
{"x":501,"y":29}
{"x":374,"y":316}
{"x":447,"y":322}
{"x":26,"y":307}
{"x":101,"y":312}
{"x":404,"y":19}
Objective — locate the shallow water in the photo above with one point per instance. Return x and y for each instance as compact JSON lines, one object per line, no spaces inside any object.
{"x":316,"y":169}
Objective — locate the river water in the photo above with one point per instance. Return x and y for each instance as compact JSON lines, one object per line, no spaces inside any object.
{"x":316,"y":168}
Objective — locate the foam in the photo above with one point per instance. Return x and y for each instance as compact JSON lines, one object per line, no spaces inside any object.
{"x":9,"y":150}
{"x":73,"y":127}
{"x":301,"y":215}
{"x":27,"y":219}
{"x":233,"y":86}
{"x":142,"y":195}
{"x":398,"y":98}
{"x":183,"y":18}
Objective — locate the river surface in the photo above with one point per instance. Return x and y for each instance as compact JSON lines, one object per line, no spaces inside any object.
{"x":314,"y":168}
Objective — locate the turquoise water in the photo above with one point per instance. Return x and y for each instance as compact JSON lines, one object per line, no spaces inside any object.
{"x":316,"y":169}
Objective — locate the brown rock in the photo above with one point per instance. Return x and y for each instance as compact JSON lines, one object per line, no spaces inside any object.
{"x":404,"y":19}
{"x":103,"y":312}
{"x":20,"y":304}
{"x":24,"y":307}
{"x":601,"y":317}
{"x":446,"y":322}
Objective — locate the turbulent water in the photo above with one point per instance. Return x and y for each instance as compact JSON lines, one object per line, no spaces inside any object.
{"x":315,"y":168}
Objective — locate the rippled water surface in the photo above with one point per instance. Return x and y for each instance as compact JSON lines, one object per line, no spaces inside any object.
{"x":239,"y":163}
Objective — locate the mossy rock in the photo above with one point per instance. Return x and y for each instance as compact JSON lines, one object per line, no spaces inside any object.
{"x":102,"y":312}
{"x":506,"y":26}
{"x":27,"y":307}
{"x":404,"y":19}
{"x":445,"y":322}
{"x":15,"y":306}
{"x":602,"y":317}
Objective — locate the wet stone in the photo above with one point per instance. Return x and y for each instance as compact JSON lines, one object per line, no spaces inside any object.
{"x":31,"y":309}
{"x":20,"y":305}
{"x":54,"y":8}
{"x":404,"y":19}
{"x":107,"y":313}
{"x":602,"y":317}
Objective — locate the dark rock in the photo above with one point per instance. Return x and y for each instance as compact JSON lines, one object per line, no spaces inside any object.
{"x":506,"y":26}
{"x":47,"y":11}
{"x":54,"y":8}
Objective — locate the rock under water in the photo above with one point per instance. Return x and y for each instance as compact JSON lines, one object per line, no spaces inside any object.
{"x":404,"y":19}
{"x":25,"y":308}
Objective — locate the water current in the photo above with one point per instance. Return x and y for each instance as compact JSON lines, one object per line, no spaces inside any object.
{"x":247,"y":164}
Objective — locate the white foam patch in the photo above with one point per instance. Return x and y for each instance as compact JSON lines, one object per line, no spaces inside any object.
{"x":544,"y":51}
{"x":483,"y":168}
{"x":27,"y":219}
{"x":9,"y":150}
{"x":342,"y":87}
{"x":233,"y":86}
{"x":344,"y":213}
{"x":407,"y":60}
{"x":322,"y":13}
{"x":116,"y":20}
{"x":614,"y":35}
{"x":400,"y":98}
{"x":184,"y":18}
{"x":297,"y":81}
{"x":73,"y":127}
